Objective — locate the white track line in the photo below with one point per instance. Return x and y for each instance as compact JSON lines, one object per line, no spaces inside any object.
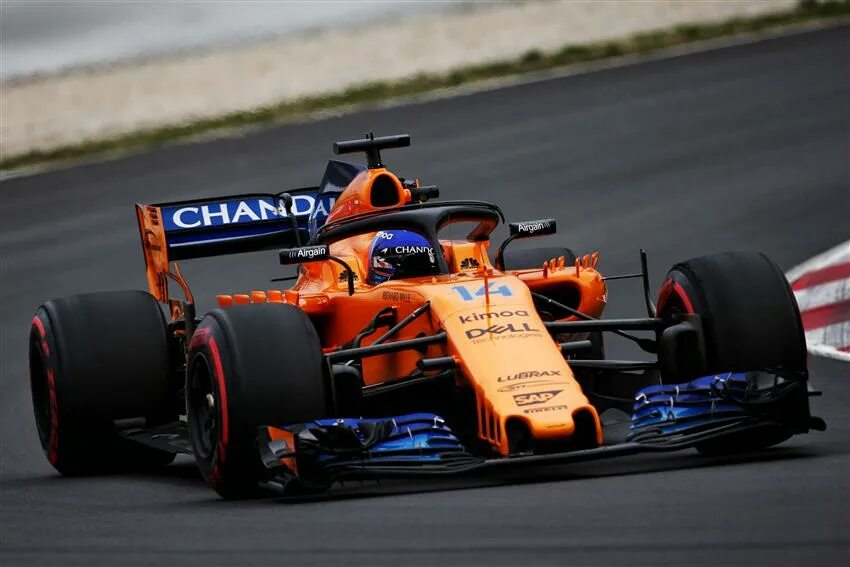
{"x":814,"y":296}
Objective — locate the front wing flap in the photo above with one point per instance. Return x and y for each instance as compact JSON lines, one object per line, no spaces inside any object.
{"x":728,"y":410}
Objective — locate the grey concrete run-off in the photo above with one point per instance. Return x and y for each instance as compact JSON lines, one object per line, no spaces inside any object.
{"x":740,"y":148}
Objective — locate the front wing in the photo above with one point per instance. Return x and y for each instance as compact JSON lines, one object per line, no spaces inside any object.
{"x":732,"y":412}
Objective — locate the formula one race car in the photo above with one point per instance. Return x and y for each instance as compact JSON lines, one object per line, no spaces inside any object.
{"x":404,"y":347}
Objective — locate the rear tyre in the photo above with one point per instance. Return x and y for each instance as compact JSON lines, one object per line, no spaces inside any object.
{"x":531,"y":258}
{"x":249,"y":366}
{"x":95,"y":358}
{"x":750,"y":321}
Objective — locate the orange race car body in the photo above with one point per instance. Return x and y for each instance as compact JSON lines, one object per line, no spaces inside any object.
{"x":486,"y":359}
{"x":501,"y":349}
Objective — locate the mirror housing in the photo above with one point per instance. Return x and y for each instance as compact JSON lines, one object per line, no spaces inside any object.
{"x":289,"y":256}
{"x":317,"y":253}
{"x":525,"y":229}
{"x":529,"y":229}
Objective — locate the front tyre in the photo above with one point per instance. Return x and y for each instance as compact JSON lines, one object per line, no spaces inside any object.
{"x":249,"y":366}
{"x":749,"y":316}
{"x":750,"y":321}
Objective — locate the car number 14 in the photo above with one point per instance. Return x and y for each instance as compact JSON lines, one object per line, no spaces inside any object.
{"x":494,"y":288}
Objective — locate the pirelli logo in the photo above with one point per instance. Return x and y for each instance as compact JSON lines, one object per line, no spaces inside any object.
{"x":545,"y":409}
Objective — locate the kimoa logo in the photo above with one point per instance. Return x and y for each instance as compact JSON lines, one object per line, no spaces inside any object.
{"x":529,"y":374}
{"x":249,"y":210}
{"x":535,"y":398}
{"x":500,"y":330}
{"x":492,"y":315}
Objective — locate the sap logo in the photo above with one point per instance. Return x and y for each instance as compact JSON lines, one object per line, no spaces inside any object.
{"x":493,"y":288}
{"x":247,"y":210}
{"x":535,"y":398}
{"x":500,"y":330}
{"x":549,"y":408}
{"x":529,"y":374}
{"x":492,"y":315}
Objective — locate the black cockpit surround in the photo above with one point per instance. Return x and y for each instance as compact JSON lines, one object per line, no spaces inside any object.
{"x":427,"y":219}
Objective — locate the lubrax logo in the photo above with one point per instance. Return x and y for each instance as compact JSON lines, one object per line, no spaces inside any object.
{"x":492,"y":315}
{"x":535,"y":398}
{"x":529,"y":374}
{"x":500,"y":330}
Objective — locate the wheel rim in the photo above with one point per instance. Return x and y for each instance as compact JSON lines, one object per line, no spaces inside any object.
{"x":203,"y":409}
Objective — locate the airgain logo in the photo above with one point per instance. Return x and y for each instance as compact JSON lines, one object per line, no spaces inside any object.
{"x":535,"y":398}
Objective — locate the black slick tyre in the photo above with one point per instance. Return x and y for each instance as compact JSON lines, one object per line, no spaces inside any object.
{"x":93,"y":359}
{"x":750,"y":318}
{"x":750,"y":321}
{"x":249,"y":366}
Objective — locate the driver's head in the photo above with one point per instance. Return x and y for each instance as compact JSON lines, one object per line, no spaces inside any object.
{"x":400,"y":254}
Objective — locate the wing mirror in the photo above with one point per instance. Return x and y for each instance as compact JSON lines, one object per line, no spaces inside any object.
{"x":525,"y":229}
{"x":318,"y":253}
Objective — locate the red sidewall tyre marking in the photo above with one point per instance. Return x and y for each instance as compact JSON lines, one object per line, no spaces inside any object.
{"x":218,"y":372}
{"x":203,"y":338}
{"x":673,"y":287}
{"x":53,"y":434}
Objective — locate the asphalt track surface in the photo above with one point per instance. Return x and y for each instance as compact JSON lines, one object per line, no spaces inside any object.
{"x":739,"y":148}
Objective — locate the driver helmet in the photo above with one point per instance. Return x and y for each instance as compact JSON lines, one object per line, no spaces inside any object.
{"x":400,"y":254}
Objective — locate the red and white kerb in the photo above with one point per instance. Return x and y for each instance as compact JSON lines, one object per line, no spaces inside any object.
{"x":822,"y":288}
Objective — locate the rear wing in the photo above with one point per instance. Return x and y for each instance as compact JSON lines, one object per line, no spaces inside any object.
{"x":232,"y":224}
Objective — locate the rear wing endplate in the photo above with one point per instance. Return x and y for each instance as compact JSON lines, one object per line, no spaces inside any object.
{"x":233,"y":224}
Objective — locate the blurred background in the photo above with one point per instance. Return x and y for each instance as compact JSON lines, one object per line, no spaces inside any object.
{"x":41,"y":37}
{"x":81,"y":71}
